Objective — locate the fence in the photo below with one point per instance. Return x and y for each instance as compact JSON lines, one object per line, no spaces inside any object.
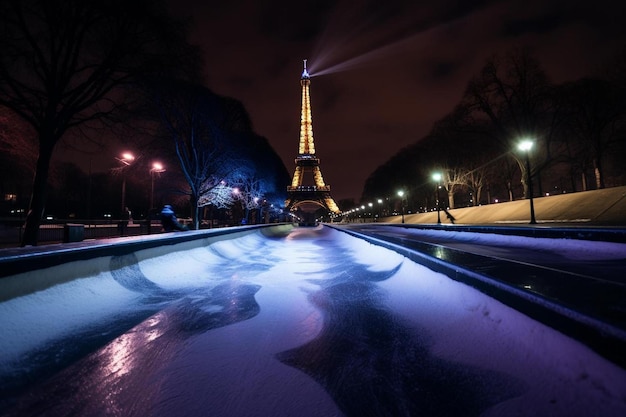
{"x":11,"y":230}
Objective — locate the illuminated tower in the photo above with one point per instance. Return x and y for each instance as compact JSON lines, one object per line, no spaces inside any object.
{"x":307,"y":185}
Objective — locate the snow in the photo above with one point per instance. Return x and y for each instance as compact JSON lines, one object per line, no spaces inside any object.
{"x":27,"y":323}
{"x":568,"y":248}
{"x":236,"y":368}
{"x":467,"y":327}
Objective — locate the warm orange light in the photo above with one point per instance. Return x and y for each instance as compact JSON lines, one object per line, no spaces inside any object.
{"x":306,"y":124}
{"x":157,"y":167}
{"x":127,"y":156}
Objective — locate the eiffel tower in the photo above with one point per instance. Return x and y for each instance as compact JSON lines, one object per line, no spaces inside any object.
{"x":307,"y":186}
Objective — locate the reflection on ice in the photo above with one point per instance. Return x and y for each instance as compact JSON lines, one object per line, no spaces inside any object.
{"x":120,"y":362}
{"x":372,"y":363}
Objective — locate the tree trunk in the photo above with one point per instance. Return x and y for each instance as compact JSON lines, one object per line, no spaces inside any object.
{"x":195,"y":211}
{"x":524,"y":176}
{"x":451,"y":198}
{"x":524,"y":186}
{"x":477,"y":195}
{"x":597,"y":170}
{"x":38,"y":198}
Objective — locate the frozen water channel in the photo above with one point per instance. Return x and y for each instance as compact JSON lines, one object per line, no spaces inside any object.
{"x":309,"y":323}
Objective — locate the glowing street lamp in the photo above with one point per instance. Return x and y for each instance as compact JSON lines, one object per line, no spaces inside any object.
{"x":401,"y":195}
{"x":437,"y":179}
{"x":525,"y":146}
{"x":371,"y":210}
{"x":127,"y":158}
{"x":157,"y":168}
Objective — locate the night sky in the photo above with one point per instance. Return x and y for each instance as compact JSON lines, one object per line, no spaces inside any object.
{"x":382,"y":71}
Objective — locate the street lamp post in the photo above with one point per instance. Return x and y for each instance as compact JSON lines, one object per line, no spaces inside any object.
{"x":126,"y":159}
{"x":371,"y":211}
{"x":525,"y":146}
{"x":401,"y":195}
{"x":157,"y":168}
{"x":437,"y":178}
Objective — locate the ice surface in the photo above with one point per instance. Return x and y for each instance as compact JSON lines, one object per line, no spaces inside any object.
{"x":315,"y":324}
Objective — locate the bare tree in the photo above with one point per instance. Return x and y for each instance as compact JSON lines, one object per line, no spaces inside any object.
{"x":250,"y":184}
{"x":464,"y":170}
{"x":452,"y":179}
{"x":215,"y":145}
{"x":513,"y":94}
{"x":63,"y":63}
{"x":252,"y":192}
{"x":17,"y":142}
{"x":221,"y":195}
{"x":475,"y":180}
{"x":207,"y":152}
{"x":595,"y":123}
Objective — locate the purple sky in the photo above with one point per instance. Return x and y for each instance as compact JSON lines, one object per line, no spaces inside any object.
{"x":383,"y":72}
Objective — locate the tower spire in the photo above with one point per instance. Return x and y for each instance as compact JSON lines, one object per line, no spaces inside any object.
{"x":306,"y":123}
{"x":307,"y":184}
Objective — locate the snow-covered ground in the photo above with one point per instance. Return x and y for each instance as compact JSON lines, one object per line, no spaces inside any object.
{"x":569,"y":248}
{"x":316,"y":323}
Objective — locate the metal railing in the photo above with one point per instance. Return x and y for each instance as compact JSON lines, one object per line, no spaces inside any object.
{"x":309,"y":188}
{"x":58,"y":230}
{"x":51,"y":231}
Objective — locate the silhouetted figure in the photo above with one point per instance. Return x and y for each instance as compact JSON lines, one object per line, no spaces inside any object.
{"x":449,"y":216}
{"x":169,"y":221}
{"x":127,"y":216}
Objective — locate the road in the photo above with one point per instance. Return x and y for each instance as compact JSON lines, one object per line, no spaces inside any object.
{"x":310,"y":323}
